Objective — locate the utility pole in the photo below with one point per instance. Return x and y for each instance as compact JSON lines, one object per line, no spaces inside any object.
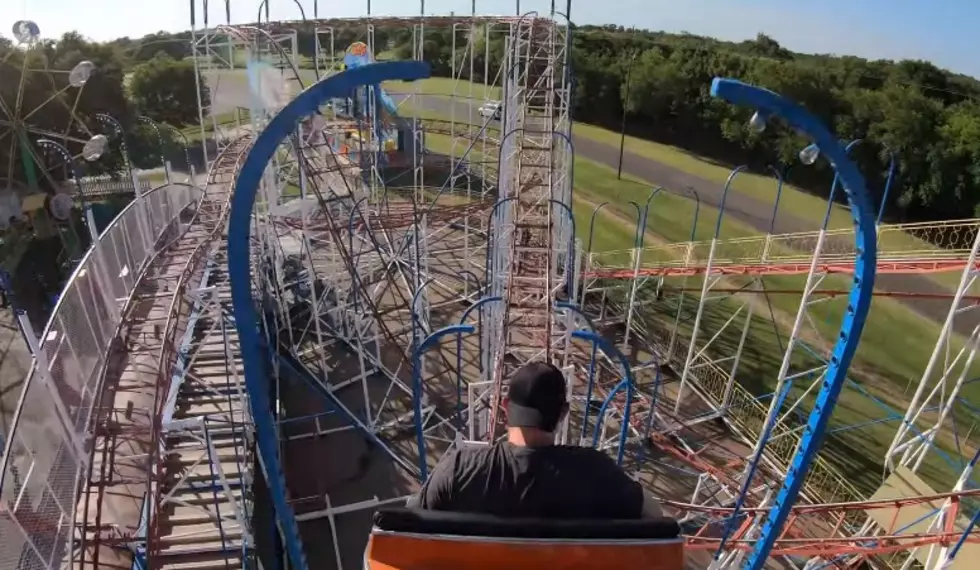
{"x":626,"y":104}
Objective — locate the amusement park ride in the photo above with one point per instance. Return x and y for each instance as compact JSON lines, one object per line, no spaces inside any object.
{"x":257,"y":372}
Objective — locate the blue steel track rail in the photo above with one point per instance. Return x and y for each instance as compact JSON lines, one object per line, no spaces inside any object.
{"x":279,"y":129}
{"x":771,"y":104}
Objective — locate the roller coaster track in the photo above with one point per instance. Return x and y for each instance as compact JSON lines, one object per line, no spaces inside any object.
{"x":139,"y":454}
{"x":397,"y":216}
{"x":927,"y":247}
{"x":819,"y":540}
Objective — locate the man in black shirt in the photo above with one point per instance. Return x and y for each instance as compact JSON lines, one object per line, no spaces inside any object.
{"x":528,"y":475}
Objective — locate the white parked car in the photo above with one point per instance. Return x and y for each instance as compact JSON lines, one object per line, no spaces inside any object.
{"x":491,"y":110}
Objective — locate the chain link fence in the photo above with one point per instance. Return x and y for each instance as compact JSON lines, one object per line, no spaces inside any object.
{"x":47,"y":454}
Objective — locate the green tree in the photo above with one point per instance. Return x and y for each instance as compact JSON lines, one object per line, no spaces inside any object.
{"x":928,"y":117}
{"x":36,"y":81}
{"x":165,"y":90}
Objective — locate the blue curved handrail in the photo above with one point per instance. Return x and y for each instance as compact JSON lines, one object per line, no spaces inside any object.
{"x":859,"y":300}
{"x":724,"y":197}
{"x":630,"y":385}
{"x":417,"y":351}
{"x":240,"y":272}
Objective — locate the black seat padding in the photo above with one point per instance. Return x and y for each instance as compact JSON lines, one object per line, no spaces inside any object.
{"x":421,"y":521}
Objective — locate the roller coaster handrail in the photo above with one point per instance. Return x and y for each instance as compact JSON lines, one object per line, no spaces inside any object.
{"x":919,"y":241}
{"x":84,"y":264}
{"x":68,"y":368}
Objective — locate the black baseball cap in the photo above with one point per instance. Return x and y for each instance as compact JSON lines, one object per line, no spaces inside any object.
{"x":536,"y":396}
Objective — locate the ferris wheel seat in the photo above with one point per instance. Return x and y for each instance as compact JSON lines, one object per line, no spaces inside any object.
{"x":408,"y":539}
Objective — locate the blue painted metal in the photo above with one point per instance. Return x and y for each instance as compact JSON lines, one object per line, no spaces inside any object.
{"x":657,"y":384}
{"x":613,"y":352}
{"x":417,"y":386}
{"x":780,"y":177}
{"x":590,"y":385}
{"x":888,"y":186}
{"x":835,"y":184}
{"x":578,"y":311}
{"x":595,"y":211}
{"x":180,"y":372}
{"x":416,"y":324}
{"x":750,"y":475}
{"x":290,"y":365}
{"x":240,"y":272}
{"x":570,"y":256}
{"x":600,"y":416}
{"x":724,"y":197}
{"x":974,"y":520}
{"x":640,"y":223}
{"x":646,"y":211}
{"x":488,"y":265}
{"x":859,"y":300}
{"x":478,"y":307}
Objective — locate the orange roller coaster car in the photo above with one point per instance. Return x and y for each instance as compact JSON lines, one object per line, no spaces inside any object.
{"x":405,"y":539}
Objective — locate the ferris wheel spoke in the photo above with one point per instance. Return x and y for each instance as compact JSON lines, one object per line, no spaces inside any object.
{"x":72,"y":109}
{"x":6,"y":110}
{"x":54,"y":97}
{"x":61,"y":136}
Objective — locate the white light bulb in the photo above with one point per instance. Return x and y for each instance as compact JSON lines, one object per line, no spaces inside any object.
{"x":809,"y":155}
{"x":94,"y":148}
{"x":758,"y":122}
{"x":81,"y":73}
{"x":26,"y":32}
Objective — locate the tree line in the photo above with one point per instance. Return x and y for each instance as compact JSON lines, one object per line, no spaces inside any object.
{"x":926,"y":117}
{"x":161,"y":88}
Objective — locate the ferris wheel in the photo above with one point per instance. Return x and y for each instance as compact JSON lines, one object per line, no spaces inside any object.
{"x":42,"y":135}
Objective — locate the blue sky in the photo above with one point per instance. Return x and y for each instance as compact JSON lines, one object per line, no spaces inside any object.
{"x":943,"y":31}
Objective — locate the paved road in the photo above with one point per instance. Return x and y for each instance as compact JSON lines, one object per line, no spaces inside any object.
{"x":743,"y":208}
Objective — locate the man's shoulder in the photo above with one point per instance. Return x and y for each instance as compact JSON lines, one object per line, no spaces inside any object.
{"x":469,"y":452}
{"x":583,"y":453}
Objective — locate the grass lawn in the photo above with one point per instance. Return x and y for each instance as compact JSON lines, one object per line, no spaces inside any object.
{"x":885,"y":365}
{"x":896,"y":343}
{"x":154,"y":177}
{"x":224,"y":120}
{"x":793,"y":201}
{"x":445,"y":144}
{"x":446,"y":87}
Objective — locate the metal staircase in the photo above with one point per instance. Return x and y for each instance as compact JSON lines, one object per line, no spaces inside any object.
{"x":529,"y":220}
{"x":203,"y":508}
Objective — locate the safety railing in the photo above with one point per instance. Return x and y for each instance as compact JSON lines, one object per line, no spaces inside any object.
{"x":824,"y":482}
{"x":47,"y":449}
{"x":926,"y":241}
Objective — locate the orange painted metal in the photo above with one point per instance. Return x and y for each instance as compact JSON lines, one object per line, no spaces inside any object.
{"x":403,"y":552}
